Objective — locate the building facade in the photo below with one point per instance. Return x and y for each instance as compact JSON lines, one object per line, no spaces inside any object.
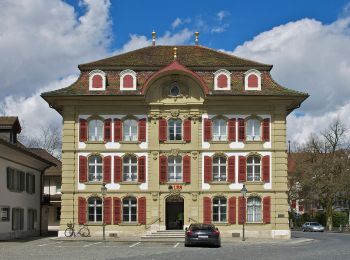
{"x":175,"y":133}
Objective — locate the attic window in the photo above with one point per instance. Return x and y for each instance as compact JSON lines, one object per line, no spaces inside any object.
{"x":175,"y":91}
{"x":222,"y":80}
{"x":128,"y":80}
{"x":252,"y":80}
{"x":97,"y":80}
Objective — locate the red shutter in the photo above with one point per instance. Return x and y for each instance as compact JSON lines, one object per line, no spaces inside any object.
{"x":187,"y":130}
{"x":117,"y":210}
{"x":267,"y":210}
{"x":266,"y":168}
{"x":186,"y":161}
{"x":231,"y":169}
{"x":162,"y":130}
{"x":141,"y":210}
{"x":142,"y":130}
{"x":163,"y":168}
{"x":107,"y":169}
{"x":207,"y":130}
{"x":142,"y":169}
{"x":242,"y":169}
{"x":266,"y":130}
{"x":241,"y":210}
{"x":206,"y":210}
{"x":232,"y":210}
{"x":252,"y":81}
{"x":81,"y":211}
{"x":117,"y":169}
{"x":82,"y":130}
{"x":107,"y":207}
{"x":241,"y":129}
{"x":208,"y":168}
{"x":222,"y":81}
{"x":128,"y":81}
{"x":232,"y":129}
{"x":97,"y":81}
{"x":118,"y":130}
{"x":107,"y":130}
{"x":83,"y":169}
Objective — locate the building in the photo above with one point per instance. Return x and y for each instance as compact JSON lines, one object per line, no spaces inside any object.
{"x":175,"y":132}
{"x":20,"y":184}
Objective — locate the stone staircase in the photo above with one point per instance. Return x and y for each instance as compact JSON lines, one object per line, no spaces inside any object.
{"x":166,"y":235}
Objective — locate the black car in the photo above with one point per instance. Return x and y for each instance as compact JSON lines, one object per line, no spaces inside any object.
{"x":202,"y":234}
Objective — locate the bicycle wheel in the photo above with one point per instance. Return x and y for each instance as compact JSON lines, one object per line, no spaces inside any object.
{"x":84,"y":232}
{"x":69,"y":232}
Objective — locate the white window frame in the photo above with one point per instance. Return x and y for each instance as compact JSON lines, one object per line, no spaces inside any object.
{"x":132,"y":74}
{"x":128,"y":128}
{"x":100,"y":73}
{"x":219,"y":137}
{"x":246,"y":76}
{"x":175,"y":176}
{"x":218,"y":165}
{"x":5,"y":213}
{"x":254,"y":136}
{"x":175,"y":129}
{"x":129,"y":205}
{"x":95,"y":206}
{"x":222,"y":209}
{"x":95,"y":130}
{"x":97,"y":176}
{"x":254,"y":207}
{"x":253,"y":165}
{"x":130,"y":165}
{"x":227,"y":74}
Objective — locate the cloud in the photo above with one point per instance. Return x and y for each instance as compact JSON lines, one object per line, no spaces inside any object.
{"x":176,"y":23}
{"x":219,"y":29}
{"x":222,"y":14}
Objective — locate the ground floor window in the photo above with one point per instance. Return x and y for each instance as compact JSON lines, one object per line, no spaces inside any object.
{"x":95,"y":209}
{"x":17,"y":218}
{"x":219,"y":209}
{"x":129,"y":209}
{"x":254,"y":209}
{"x":4,"y":213}
{"x":32,"y":219}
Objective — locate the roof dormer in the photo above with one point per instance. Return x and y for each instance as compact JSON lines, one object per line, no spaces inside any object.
{"x":97,"y":80}
{"x":222,"y":80}
{"x":252,"y":80}
{"x":127,"y":80}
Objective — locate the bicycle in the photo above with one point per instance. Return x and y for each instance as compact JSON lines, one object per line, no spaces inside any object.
{"x":70,"y":231}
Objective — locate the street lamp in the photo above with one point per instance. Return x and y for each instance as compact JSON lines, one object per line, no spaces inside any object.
{"x":243,"y":193}
{"x":103,"y":191}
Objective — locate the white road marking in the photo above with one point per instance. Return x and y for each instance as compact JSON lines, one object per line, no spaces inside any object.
{"x":50,"y":243}
{"x":135,"y":244}
{"x":176,"y":245}
{"x":92,"y":244}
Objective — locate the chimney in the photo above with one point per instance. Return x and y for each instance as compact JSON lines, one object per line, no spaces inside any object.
{"x":196,"y":41}
{"x":154,"y":38}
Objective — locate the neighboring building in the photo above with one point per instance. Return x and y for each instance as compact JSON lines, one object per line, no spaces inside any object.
{"x":20,"y":183}
{"x":175,"y":132}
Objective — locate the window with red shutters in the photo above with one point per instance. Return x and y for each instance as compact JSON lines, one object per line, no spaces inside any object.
{"x":82,"y":130}
{"x":241,"y":210}
{"x":97,"y":81}
{"x":294,"y":204}
{"x":232,"y":210}
{"x":242,"y":169}
{"x":141,"y":210}
{"x":107,"y":169}
{"x":117,"y":169}
{"x":163,"y":169}
{"x":142,"y":169}
{"x":108,"y":130}
{"x":118,"y":130}
{"x":208,"y":169}
{"x":266,"y":129}
{"x":222,"y":81}
{"x":142,"y":130}
{"x":187,"y":130}
{"x":241,"y":129}
{"x":207,"y":130}
{"x":266,"y":168}
{"x":231,"y":169}
{"x":267,"y":210}
{"x":206,"y":210}
{"x":186,"y":161}
{"x":81,"y":211}
{"x":252,"y":81}
{"x":107,"y":211}
{"x":83,"y":169}
{"x":128,"y":81}
{"x":232,"y":129}
{"x":116,"y":210}
{"x":162,"y":130}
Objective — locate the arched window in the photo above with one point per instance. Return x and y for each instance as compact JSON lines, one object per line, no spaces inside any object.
{"x":97,"y":80}
{"x":129,"y":209}
{"x":175,"y":91}
{"x":175,"y":168}
{"x":129,"y":168}
{"x":127,"y":80}
{"x":219,"y":129}
{"x":252,"y":80}
{"x":222,"y":80}
{"x":254,"y":209}
{"x":219,"y":168}
{"x":95,"y":209}
{"x":253,"y":129}
{"x":95,"y":130}
{"x":175,"y":129}
{"x":95,"y":168}
{"x":219,"y":209}
{"x":253,"y":168}
{"x":130,"y":130}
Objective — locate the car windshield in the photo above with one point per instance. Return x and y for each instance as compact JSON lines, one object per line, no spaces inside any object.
{"x":315,"y":224}
{"x":202,"y":227}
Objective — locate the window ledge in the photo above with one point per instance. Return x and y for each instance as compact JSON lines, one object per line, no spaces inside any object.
{"x":95,"y":142}
{"x":174,"y":142}
{"x":94,"y":224}
{"x":254,"y":223}
{"x":221,"y":223}
{"x":255,"y":182}
{"x":129,"y":224}
{"x":176,"y":183}
{"x":220,"y":182}
{"x":130,"y":183}
{"x":129,"y":142}
{"x":93,"y":183}
{"x":254,"y":142}
{"x":220,"y":142}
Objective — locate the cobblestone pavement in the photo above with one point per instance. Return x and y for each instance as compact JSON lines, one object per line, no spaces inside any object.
{"x":302,"y":246}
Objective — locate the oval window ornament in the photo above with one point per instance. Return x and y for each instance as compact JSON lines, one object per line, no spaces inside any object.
{"x":175,"y":91}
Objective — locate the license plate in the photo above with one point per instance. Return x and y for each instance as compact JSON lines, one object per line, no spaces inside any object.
{"x":202,"y":236}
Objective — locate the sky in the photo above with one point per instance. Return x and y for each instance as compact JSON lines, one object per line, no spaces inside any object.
{"x":308,"y":42}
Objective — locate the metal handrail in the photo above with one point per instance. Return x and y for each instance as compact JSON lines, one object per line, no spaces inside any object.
{"x":154,"y":221}
{"x":189,"y":220}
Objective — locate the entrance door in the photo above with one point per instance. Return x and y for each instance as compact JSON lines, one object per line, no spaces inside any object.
{"x":174,"y":212}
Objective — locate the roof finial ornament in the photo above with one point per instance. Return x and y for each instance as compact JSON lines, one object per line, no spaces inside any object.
{"x":196,"y":34}
{"x":175,"y":54}
{"x":154,"y":38}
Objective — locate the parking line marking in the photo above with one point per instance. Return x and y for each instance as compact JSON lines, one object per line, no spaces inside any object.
{"x":135,"y":244}
{"x":92,"y":244}
{"x":59,"y":242}
{"x":176,"y":245}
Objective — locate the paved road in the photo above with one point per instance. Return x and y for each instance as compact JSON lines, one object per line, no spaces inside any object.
{"x":324,"y":246}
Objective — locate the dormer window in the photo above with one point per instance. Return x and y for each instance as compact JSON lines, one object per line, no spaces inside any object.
{"x":222,"y":80}
{"x":128,"y":80}
{"x":174,"y":91}
{"x":252,"y":80}
{"x":97,"y":80}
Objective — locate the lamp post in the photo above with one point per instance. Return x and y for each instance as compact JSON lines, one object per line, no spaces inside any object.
{"x":243,"y":193}
{"x":103,"y":191}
